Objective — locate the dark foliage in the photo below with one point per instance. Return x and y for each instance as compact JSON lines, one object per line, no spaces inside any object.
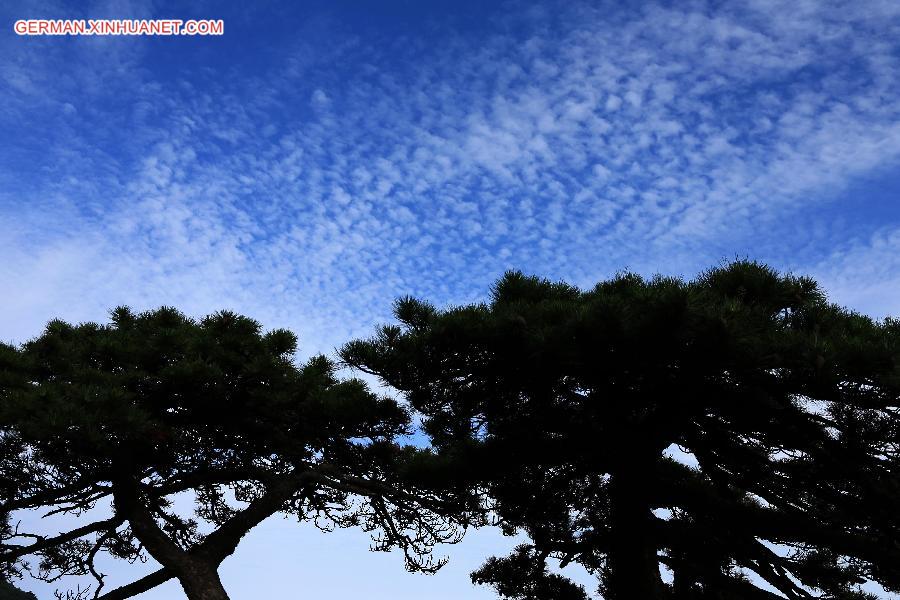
{"x":9,"y":592}
{"x":568,"y":410}
{"x":523,"y":576}
{"x":128,"y":415}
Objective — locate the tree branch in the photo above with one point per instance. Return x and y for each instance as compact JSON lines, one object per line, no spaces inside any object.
{"x":43,"y":543}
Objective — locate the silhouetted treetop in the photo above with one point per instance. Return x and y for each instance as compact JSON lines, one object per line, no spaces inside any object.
{"x":123,"y":417}
{"x":736,"y":430}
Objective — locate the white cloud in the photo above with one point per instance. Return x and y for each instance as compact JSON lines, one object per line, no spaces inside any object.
{"x":653,"y":139}
{"x":865,"y":274}
{"x":319,"y":99}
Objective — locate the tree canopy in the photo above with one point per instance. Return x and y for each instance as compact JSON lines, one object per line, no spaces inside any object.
{"x":10,"y":592}
{"x":737,"y":430}
{"x":108,"y":424}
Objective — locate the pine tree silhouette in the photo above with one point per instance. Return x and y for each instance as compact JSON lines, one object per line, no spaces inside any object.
{"x":578,"y":415}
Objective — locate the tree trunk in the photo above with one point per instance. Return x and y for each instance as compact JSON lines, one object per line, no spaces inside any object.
{"x":201,"y":583}
{"x":632,"y":561}
{"x":197,"y":569}
{"x":198,"y":576}
{"x":682,"y":584}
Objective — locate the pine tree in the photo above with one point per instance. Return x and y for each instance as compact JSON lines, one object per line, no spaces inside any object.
{"x":10,"y":592}
{"x":737,"y":430}
{"x":129,"y":414}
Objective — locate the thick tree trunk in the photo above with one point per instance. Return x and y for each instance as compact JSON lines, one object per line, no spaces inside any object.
{"x":197,"y":569}
{"x":682,"y":585}
{"x":198,"y":576}
{"x":202,"y":584}
{"x":633,"y":563}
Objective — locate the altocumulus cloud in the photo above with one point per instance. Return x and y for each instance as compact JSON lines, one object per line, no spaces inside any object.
{"x":312,"y":164}
{"x":570,"y":140}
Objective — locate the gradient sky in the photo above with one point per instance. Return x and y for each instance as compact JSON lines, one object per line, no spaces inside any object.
{"x":323,"y":158}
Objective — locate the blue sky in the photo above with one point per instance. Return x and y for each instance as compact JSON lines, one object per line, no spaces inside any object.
{"x":323,"y":158}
